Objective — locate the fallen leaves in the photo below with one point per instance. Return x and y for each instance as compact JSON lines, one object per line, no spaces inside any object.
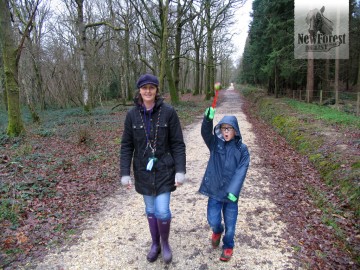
{"x":59,"y":180}
{"x":21,"y":238}
{"x":292,"y":177}
{"x":53,"y":189}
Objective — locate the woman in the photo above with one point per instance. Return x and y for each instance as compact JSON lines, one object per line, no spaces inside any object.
{"x":153,"y":141}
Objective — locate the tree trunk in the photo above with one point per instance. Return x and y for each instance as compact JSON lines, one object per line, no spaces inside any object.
{"x":15,"y":123}
{"x":163,"y":42}
{"x":127,"y":65}
{"x":209,"y":78}
{"x":10,"y":54}
{"x":34,"y":115}
{"x":210,"y":67}
{"x":38,"y":82}
{"x":186,"y":82}
{"x":176,"y":71}
{"x":326,"y":84}
{"x":358,"y":76}
{"x":2,"y":79}
{"x":202,"y":72}
{"x":165,"y":68}
{"x":83,"y":56}
{"x":336,"y":82}
{"x":276,"y":83}
{"x":310,"y":79}
{"x":197,"y":71}
{"x":358,"y":89}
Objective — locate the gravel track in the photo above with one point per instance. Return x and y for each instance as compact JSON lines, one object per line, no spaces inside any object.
{"x":118,"y":237}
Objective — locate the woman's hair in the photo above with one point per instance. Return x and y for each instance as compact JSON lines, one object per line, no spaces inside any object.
{"x":139,"y":97}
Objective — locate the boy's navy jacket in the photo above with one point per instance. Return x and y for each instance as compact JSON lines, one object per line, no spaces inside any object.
{"x":228,"y":163}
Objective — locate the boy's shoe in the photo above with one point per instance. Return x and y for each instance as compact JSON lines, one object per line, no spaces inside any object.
{"x":215,"y":239}
{"x":226,"y":254}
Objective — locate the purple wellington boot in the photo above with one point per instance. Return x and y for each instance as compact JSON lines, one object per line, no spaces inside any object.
{"x":155,"y":236}
{"x":164,"y":229}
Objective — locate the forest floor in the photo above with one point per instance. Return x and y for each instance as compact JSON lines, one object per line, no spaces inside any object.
{"x":75,"y":215}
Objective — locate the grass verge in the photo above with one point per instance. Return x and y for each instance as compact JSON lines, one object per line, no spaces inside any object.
{"x":330,"y":139}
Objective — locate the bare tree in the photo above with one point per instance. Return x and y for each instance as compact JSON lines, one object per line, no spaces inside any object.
{"x":84,"y":60}
{"x":128,"y":19}
{"x":82,"y":41}
{"x":217,"y":14}
{"x":154,"y":18}
{"x":198,"y":34}
{"x":30,"y":67}
{"x":182,"y":17}
{"x":11,"y":55}
{"x":2,"y":79}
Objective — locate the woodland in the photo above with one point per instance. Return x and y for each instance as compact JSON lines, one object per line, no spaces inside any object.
{"x":82,"y":53}
{"x":68,"y":71}
{"x":73,"y":53}
{"x":268,"y":58}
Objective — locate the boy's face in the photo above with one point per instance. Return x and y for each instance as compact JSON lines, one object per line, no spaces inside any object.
{"x":228,"y":132}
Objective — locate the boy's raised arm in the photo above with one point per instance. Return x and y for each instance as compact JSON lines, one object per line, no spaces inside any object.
{"x":207,"y":126}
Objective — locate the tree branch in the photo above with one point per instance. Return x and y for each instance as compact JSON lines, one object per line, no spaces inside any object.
{"x":26,"y":33}
{"x":89,"y":25}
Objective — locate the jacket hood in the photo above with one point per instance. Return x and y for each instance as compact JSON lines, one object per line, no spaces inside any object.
{"x":230,"y":120}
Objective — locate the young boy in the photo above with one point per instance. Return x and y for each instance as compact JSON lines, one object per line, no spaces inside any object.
{"x":224,"y":177}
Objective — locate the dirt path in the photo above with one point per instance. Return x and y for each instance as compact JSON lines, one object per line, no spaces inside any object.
{"x":118,"y":237}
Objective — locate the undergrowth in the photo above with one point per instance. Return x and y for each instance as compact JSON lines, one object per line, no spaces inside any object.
{"x":328,"y":114}
{"x":306,"y":127}
{"x":22,"y":184}
{"x":70,"y":154}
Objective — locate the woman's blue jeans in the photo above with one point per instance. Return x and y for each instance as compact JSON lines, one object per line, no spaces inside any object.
{"x":158,"y":205}
{"x":229,"y":210}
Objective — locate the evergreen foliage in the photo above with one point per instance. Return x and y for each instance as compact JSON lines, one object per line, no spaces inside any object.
{"x":268,"y":58}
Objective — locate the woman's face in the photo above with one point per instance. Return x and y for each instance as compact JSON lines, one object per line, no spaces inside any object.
{"x":148,"y":92}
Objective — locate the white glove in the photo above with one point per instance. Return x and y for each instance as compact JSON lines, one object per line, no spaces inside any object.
{"x":179,"y":178}
{"x":126,"y":180}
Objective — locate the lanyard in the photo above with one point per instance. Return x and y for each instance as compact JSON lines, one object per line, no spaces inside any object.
{"x":147,"y":129}
{"x":148,"y":125}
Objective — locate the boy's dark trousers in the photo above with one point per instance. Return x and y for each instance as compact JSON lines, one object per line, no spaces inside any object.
{"x":229,"y":210}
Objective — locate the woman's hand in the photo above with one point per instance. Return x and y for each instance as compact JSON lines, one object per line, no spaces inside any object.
{"x":179,"y":179}
{"x":126,"y":181}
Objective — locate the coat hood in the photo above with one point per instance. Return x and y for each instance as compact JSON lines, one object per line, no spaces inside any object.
{"x":230,"y":120}
{"x":228,"y":163}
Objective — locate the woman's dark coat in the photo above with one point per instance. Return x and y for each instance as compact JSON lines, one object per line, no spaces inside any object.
{"x":170,"y":148}
{"x":228,"y":163}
